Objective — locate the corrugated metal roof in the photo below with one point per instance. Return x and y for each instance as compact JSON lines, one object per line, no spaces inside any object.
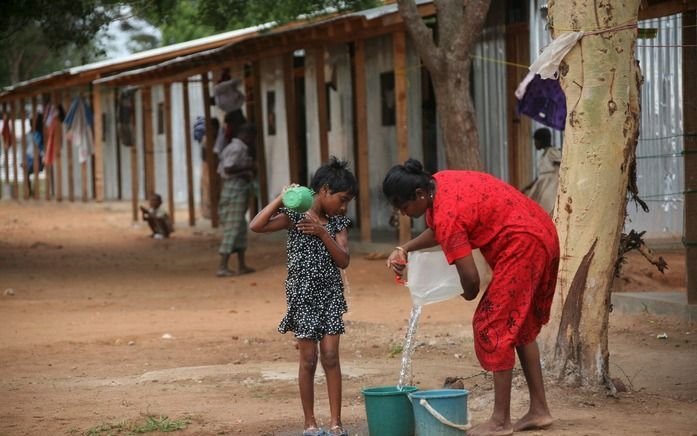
{"x":221,"y":37}
{"x":138,"y":58}
{"x":229,"y":37}
{"x":190,"y":61}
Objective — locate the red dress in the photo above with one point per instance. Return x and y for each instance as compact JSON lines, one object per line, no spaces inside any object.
{"x":518,"y":240}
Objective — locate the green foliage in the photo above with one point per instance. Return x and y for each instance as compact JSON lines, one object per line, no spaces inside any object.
{"x":182,"y":23}
{"x":150,"y":424}
{"x":395,"y":349}
{"x":188,"y":19}
{"x":42,"y":36}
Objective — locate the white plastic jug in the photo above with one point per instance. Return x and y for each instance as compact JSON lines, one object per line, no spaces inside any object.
{"x":430,"y":279}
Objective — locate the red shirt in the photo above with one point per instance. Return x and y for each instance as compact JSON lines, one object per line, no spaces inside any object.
{"x":476,"y":210}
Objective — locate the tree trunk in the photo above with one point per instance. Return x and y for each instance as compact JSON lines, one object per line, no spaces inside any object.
{"x":457,"y":119}
{"x":600,"y":77}
{"x":448,"y":61}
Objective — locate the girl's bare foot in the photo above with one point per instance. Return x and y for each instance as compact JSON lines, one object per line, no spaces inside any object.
{"x":491,"y":428}
{"x":533,"y":421}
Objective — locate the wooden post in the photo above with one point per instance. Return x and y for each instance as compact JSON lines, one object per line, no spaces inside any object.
{"x":399,"y":45}
{"x":148,"y":146}
{"x":211,"y":158}
{"x":689,"y":96}
{"x":251,"y":112}
{"x":25,"y":166}
{"x":119,"y":169}
{"x":520,"y":149}
{"x":83,"y":167}
{"x":291,"y":119}
{"x":189,"y":162}
{"x":69,"y":150}
{"x":259,"y":122}
{"x":134,"y":167}
{"x":321,"y":105}
{"x":6,"y":147}
{"x":15,"y":188}
{"x":56,"y":98}
{"x":98,"y":146}
{"x":168,"y":147}
{"x":48,"y":174}
{"x":36,"y":148}
{"x":362,"y":140}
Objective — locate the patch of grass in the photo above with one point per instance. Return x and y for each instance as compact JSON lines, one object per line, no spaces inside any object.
{"x":162,"y":423}
{"x":149,"y":424}
{"x":395,"y":349}
{"x":106,"y":429}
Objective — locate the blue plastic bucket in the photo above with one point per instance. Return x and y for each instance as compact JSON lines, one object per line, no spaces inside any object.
{"x":440,"y":412}
{"x":389,"y":411}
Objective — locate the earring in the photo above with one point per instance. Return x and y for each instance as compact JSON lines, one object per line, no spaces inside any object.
{"x":422,"y":197}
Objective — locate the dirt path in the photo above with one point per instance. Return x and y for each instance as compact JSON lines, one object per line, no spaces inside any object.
{"x":83,"y":338}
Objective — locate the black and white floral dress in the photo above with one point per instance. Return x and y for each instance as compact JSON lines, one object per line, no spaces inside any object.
{"x":314,"y":288}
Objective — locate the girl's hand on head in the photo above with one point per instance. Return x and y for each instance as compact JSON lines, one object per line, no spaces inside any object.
{"x":311,"y":226}
{"x":287,"y":187}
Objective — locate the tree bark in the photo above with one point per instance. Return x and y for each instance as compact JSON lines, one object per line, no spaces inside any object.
{"x":600,"y":77}
{"x":457,"y":118}
{"x":448,"y":61}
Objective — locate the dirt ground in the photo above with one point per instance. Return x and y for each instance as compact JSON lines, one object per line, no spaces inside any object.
{"x":107,"y":325}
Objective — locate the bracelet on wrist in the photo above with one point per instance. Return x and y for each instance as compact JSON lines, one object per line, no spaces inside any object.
{"x":402,"y":249}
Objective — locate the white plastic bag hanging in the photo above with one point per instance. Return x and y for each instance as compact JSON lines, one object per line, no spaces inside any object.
{"x":547,"y":64}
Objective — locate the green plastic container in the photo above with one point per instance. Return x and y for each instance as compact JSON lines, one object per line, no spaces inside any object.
{"x":389,"y":411}
{"x":298,"y":198}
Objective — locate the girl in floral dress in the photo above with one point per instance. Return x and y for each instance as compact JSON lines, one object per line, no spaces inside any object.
{"x":317,"y":247}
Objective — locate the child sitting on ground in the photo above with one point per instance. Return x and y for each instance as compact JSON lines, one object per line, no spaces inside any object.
{"x":157,"y":219}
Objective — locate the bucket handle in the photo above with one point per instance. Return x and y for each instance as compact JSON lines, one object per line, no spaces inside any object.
{"x":442,"y":419}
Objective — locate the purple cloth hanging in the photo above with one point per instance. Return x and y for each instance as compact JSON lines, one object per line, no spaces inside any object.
{"x":545,"y":102}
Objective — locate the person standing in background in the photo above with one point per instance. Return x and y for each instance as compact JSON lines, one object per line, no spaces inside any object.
{"x":543,"y":189}
{"x":236,"y":169}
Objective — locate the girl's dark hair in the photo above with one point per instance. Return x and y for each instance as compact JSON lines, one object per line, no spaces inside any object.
{"x":402,"y":181}
{"x":336,"y":176}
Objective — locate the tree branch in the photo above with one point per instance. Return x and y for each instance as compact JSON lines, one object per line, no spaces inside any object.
{"x":451,"y":17}
{"x":421,"y":36}
{"x":475,"y":16}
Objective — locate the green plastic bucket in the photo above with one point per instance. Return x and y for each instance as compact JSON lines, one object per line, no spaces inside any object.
{"x":389,"y":411}
{"x":441,"y":412}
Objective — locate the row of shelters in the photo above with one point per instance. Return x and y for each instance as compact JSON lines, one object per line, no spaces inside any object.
{"x":331,"y":86}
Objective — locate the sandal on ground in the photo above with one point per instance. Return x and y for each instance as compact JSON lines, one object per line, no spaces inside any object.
{"x":314,"y":431}
{"x":224,"y":273}
{"x":337,"y":430}
{"x":245,"y":270}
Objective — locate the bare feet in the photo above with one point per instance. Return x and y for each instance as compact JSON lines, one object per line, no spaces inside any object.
{"x":533,"y":422}
{"x":491,"y":428}
{"x":245,"y":270}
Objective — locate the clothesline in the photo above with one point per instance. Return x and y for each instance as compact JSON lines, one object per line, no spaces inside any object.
{"x":679,"y":135}
{"x":670,"y":194}
{"x":678,"y":154}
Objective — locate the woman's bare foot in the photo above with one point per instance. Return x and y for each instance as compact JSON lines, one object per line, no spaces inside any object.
{"x":533,"y":421}
{"x":491,"y":428}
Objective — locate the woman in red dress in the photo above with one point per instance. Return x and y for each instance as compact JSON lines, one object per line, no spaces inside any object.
{"x":466,"y":210}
